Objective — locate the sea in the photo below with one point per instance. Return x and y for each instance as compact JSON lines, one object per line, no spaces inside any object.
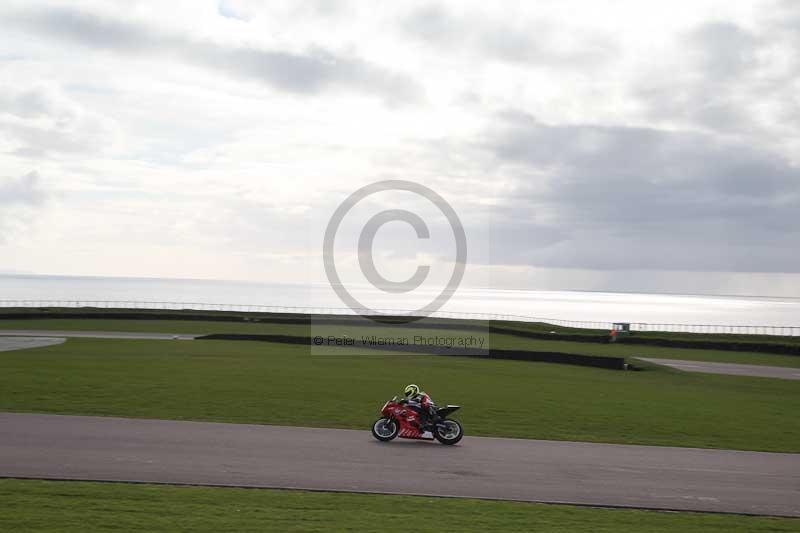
{"x":601,"y":307}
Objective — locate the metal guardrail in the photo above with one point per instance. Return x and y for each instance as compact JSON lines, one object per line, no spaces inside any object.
{"x":247,"y":308}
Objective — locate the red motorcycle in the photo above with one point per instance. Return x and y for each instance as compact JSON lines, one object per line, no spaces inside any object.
{"x":398,"y":419}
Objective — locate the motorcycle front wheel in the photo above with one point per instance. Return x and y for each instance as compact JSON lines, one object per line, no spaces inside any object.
{"x":449,"y":432}
{"x":385,"y":429}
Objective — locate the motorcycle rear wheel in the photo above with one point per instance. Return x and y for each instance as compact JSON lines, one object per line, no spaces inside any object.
{"x":453,"y":433}
{"x":385,"y":429}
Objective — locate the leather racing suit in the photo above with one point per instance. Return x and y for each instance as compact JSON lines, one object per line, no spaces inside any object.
{"x":423,"y":405}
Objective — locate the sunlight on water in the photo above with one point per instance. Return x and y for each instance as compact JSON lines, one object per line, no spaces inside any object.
{"x":565,"y":305}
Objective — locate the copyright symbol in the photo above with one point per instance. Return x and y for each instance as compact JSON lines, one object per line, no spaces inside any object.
{"x":365,"y":247}
{"x":318,"y":340}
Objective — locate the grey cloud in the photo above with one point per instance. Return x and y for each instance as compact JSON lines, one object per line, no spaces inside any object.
{"x":725,"y":50}
{"x":24,"y":190}
{"x":617,"y":197}
{"x":431,"y":23}
{"x":19,"y":198}
{"x":308,"y":73}
{"x":784,"y":18}
{"x":37,"y":142}
{"x":86,"y":28}
{"x":41,"y":120}
{"x":728,"y":76}
{"x":531,"y":42}
{"x":32,"y":103}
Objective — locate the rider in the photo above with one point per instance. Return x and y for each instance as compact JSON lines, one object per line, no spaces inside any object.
{"x":420,"y":402}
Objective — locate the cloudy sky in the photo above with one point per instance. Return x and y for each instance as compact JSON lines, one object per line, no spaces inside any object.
{"x":621,"y":145}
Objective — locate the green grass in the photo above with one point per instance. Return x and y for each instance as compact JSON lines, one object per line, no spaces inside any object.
{"x":282,"y":384}
{"x":48,"y":506}
{"x":494,"y":340}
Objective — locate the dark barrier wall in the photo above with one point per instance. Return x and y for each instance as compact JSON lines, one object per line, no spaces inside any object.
{"x":616,"y":363}
{"x":731,"y":346}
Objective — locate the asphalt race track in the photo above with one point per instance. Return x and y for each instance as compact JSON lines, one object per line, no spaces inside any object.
{"x":95,"y":334}
{"x":160,"y":451}
{"x":733,"y":369}
{"x":8,"y":344}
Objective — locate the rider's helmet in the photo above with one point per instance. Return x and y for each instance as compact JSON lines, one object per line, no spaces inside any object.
{"x":411,"y":390}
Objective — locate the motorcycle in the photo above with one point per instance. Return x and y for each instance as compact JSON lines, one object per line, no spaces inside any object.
{"x":399,"y":420}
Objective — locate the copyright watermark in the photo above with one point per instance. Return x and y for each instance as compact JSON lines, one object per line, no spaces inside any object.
{"x":366,"y":259}
{"x":425,"y":341}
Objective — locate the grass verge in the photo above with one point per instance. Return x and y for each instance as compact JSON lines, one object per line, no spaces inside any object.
{"x":48,"y":506}
{"x":258,"y":382}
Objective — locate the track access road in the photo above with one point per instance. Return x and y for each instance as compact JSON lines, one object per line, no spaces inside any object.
{"x":733,"y":369}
